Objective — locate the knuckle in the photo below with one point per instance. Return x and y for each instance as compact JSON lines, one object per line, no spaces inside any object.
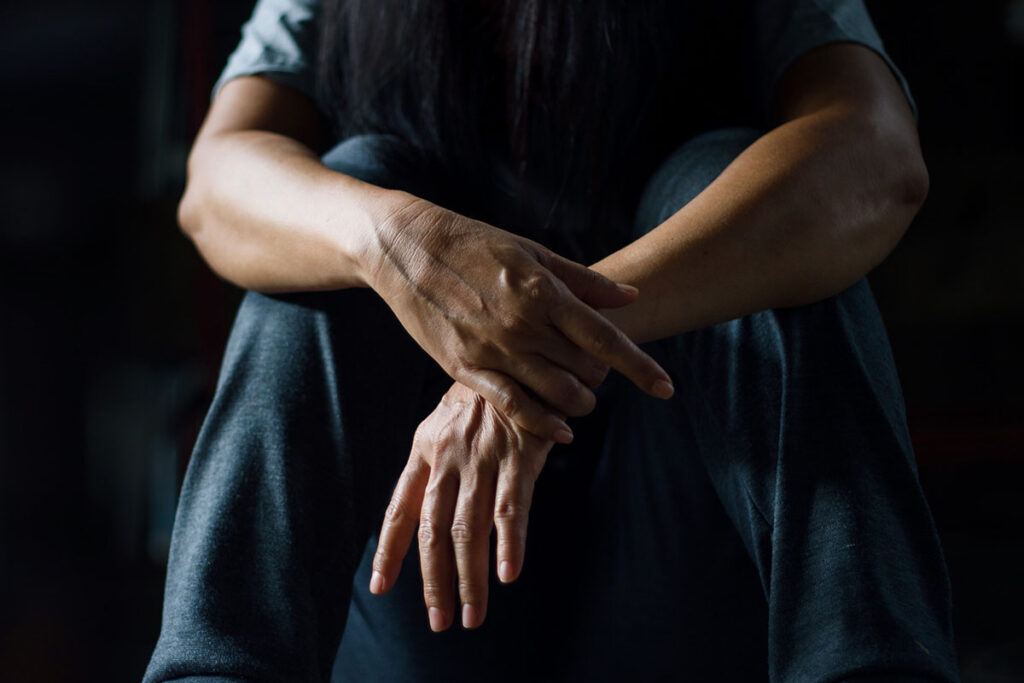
{"x":516,"y":324}
{"x":540,"y":287}
{"x":508,"y":511}
{"x":604,"y":339}
{"x":433,"y":592}
{"x":469,"y":588}
{"x":508,"y":402}
{"x":463,"y":532}
{"x":397,"y":512}
{"x":429,"y":535}
{"x":511,"y":542}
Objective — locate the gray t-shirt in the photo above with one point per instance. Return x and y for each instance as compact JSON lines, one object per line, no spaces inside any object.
{"x":279,"y":40}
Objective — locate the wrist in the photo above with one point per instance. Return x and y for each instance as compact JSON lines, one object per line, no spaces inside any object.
{"x":385,"y":213}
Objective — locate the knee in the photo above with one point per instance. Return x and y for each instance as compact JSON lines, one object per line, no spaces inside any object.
{"x":278,"y":334}
{"x":363,"y":156}
{"x":687,"y":171}
{"x":274,"y":333}
{"x":386,"y":161}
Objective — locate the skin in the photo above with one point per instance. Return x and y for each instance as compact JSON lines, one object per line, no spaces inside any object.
{"x":501,"y":314}
{"x":805,"y":212}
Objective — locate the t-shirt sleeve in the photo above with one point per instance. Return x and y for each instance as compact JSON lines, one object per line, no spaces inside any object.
{"x":279,"y":42}
{"x":787,"y":29}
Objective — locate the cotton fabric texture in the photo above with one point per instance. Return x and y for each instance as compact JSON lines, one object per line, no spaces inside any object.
{"x":765,"y":524}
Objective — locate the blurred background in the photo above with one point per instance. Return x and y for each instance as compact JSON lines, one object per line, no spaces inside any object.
{"x":111,"y":327}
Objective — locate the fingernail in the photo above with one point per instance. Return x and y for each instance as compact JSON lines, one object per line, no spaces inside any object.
{"x":627,"y":289}
{"x":436,"y":619}
{"x":505,"y":571}
{"x":663,"y":389}
{"x":470,"y":616}
{"x":377,"y":583}
{"x":563,"y":434}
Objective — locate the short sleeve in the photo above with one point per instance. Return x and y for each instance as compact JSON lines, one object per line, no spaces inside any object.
{"x":787,"y":29}
{"x":278,"y":41}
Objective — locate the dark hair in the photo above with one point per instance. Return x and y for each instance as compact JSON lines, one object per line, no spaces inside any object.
{"x":555,"y":91}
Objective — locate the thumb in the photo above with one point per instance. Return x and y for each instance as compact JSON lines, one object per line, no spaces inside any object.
{"x":590,"y":286}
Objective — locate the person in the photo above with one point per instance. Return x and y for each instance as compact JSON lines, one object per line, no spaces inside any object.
{"x":737,"y":501}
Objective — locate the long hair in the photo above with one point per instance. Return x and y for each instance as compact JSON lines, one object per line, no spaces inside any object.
{"x":555,"y":91}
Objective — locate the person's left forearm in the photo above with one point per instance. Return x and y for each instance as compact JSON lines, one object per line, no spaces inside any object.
{"x":803,"y":213}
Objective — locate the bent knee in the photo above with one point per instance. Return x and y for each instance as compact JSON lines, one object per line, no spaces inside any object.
{"x":390,"y":162}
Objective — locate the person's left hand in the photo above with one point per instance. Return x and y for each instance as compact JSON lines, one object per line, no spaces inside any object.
{"x":470,"y":466}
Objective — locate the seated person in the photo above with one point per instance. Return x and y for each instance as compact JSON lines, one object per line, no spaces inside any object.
{"x":738,"y":501}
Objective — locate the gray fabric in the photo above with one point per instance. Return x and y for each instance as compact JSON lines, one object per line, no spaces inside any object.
{"x":764,"y":524}
{"x":279,"y":40}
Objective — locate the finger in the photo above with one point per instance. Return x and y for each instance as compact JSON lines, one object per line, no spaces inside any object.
{"x":435,"y":541}
{"x":588,"y":285}
{"x":400,"y":522}
{"x":596,"y":335}
{"x":557,"y":387}
{"x":511,"y":518}
{"x":505,"y":394}
{"x":471,"y":533}
{"x":560,"y":351}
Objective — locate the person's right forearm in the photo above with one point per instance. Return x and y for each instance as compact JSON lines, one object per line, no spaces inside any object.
{"x":504,"y":316}
{"x":266,"y":215}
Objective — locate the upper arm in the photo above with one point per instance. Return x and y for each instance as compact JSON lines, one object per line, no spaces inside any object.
{"x":824,"y":58}
{"x":854,"y":93}
{"x":803,"y":45}
{"x":258,"y":103}
{"x":269,"y":82}
{"x":843,"y":75}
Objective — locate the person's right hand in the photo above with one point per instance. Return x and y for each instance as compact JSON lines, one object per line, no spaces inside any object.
{"x":506,"y":316}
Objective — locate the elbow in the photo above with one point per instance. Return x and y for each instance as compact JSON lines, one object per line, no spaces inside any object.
{"x":906,"y":194}
{"x":195,"y":223}
{"x":901,"y":187}
{"x":191,"y":209}
{"x":892,"y":183}
{"x":913,"y":182}
{"x":188,"y":213}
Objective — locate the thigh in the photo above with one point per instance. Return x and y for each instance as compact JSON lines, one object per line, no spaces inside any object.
{"x":659,"y":579}
{"x":311,"y":421}
{"x":798,"y":419}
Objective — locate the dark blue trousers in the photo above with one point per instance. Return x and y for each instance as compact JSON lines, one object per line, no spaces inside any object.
{"x":765,"y":524}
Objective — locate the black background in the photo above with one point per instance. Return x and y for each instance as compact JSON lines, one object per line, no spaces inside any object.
{"x":111,"y":327}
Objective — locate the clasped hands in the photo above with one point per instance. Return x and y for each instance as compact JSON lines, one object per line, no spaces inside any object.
{"x":517,"y":327}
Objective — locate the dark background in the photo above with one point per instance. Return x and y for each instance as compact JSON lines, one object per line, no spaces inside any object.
{"x":111,"y":327}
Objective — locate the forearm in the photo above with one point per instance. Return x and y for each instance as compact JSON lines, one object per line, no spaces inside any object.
{"x":802,"y":214}
{"x":267,"y":215}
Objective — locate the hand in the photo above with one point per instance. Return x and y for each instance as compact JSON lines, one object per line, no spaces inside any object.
{"x":502,"y":314}
{"x":470,"y":465}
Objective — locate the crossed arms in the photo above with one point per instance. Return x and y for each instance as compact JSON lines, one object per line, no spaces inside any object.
{"x":525,"y":334}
